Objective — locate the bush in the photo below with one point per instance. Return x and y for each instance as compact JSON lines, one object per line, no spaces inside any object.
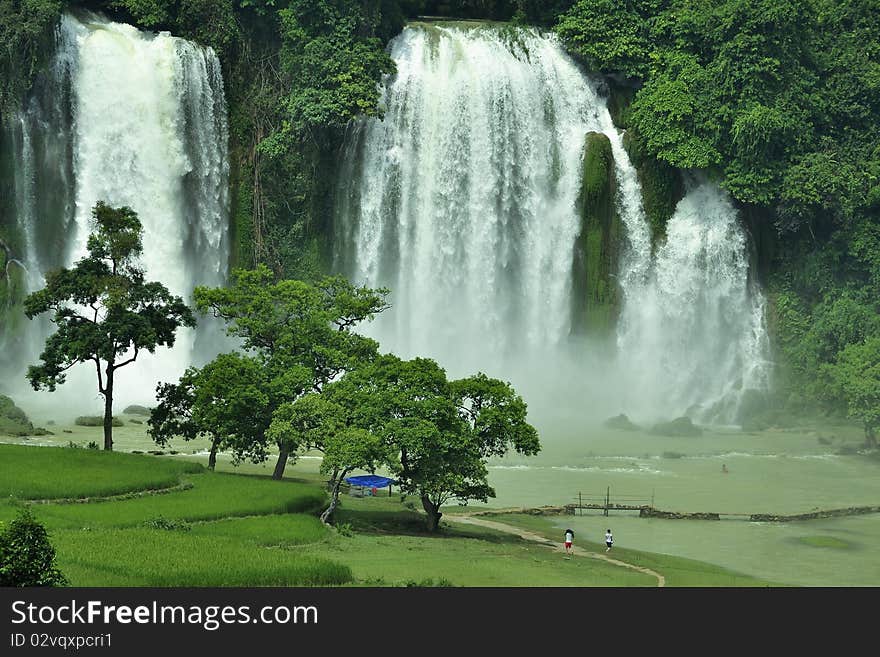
{"x":96,"y":421}
{"x":169,"y":524}
{"x":26,"y":556}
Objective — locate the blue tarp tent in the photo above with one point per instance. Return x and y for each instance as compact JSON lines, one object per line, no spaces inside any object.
{"x":370,"y":482}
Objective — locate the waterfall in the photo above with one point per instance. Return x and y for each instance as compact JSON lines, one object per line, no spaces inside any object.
{"x":136,"y":119}
{"x":463,"y":201}
{"x":692,"y":334}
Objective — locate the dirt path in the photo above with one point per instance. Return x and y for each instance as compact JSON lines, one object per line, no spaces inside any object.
{"x":537,"y":538}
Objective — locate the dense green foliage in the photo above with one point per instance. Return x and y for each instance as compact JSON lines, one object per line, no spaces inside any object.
{"x":297,"y":337}
{"x":26,"y":27}
{"x":305,"y":69}
{"x":434,"y":435}
{"x":226,"y":400}
{"x":104,"y":309}
{"x":27,"y":558}
{"x":778,"y":100}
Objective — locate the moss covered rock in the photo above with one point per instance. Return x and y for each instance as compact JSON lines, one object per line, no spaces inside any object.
{"x":597,"y":298}
{"x":13,"y":420}
{"x":661,"y":184}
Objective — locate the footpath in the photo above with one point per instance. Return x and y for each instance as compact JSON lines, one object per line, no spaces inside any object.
{"x":537,"y":538}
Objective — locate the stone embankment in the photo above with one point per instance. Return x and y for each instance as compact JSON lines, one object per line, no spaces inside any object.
{"x":651,"y":512}
{"x":648,"y":511}
{"x":814,"y":515}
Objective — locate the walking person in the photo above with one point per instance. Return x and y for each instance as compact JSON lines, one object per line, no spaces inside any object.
{"x":569,"y":539}
{"x":609,"y":540}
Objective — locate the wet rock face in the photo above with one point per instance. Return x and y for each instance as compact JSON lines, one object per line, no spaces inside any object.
{"x":680,"y":426}
{"x":597,"y":298}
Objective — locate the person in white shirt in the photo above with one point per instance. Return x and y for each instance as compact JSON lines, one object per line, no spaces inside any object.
{"x":569,"y":538}
{"x":608,"y":540}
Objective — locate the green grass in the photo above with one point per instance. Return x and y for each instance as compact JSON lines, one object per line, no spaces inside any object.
{"x":212,"y":497}
{"x":275,"y":530}
{"x":61,"y":472}
{"x":155,"y":557}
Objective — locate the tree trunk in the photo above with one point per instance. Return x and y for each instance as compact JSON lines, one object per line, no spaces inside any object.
{"x":433,"y":512}
{"x":108,"y":411}
{"x":334,"y":501}
{"x":283,"y":453}
{"x":212,"y":456}
{"x":870,"y":436}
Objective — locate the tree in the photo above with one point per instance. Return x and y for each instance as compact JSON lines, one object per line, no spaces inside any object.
{"x":225,"y":401}
{"x":315,"y":422}
{"x":438,"y":434}
{"x":27,"y":558}
{"x":104,"y":309}
{"x":858,"y":371}
{"x":303,"y":424}
{"x":297,"y":337}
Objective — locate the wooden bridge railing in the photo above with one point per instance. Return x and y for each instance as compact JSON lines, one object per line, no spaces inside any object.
{"x":606,"y":503}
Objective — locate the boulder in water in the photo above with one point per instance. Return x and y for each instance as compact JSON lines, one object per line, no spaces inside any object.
{"x":621,"y":422}
{"x":96,"y":421}
{"x":680,"y":426}
{"x":134,"y":409}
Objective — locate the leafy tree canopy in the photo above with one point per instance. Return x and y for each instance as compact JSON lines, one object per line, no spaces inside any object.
{"x":226,"y":401}
{"x":297,"y":337}
{"x":858,"y":373}
{"x":438,"y":434}
{"x":104,"y":310}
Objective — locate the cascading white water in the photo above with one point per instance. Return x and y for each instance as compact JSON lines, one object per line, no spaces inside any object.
{"x":141,"y":119}
{"x":692,"y":333}
{"x":463,"y":201}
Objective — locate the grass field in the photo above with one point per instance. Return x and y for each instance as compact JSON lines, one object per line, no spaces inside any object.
{"x":56,"y":472}
{"x":249,"y":530}
{"x":213,"y":496}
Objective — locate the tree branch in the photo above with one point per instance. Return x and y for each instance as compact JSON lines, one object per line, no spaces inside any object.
{"x":130,"y":360}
